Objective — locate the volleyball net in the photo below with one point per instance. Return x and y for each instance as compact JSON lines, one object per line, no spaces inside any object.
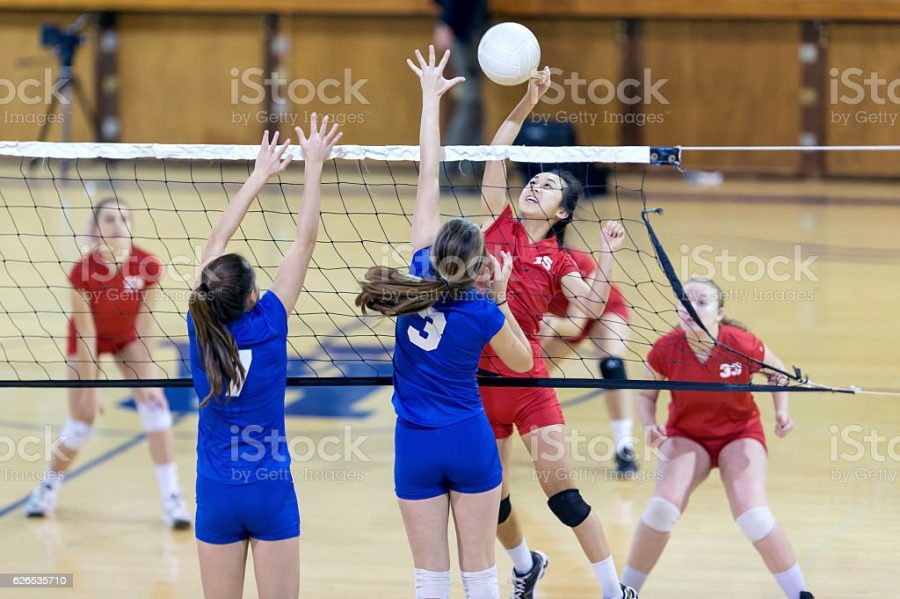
{"x":174,"y":194}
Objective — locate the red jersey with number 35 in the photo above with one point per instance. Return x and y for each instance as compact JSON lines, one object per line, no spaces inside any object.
{"x":114,"y":294}
{"x":538,"y":269}
{"x":705,"y":414}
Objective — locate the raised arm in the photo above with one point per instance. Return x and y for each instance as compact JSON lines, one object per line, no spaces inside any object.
{"x":316,"y":148}
{"x":493,"y":185}
{"x":426,"y":215}
{"x":269,"y":162}
{"x":589,"y":295}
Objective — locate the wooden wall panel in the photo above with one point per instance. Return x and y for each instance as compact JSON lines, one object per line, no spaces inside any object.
{"x":727,"y":84}
{"x":586,"y":49}
{"x":176,"y":78}
{"x":385,"y":108}
{"x":21,"y":59}
{"x":854,"y":115}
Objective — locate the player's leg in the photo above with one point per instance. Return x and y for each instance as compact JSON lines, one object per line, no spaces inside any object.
{"x":610,"y":335}
{"x":475,"y":520}
{"x":135,"y":362}
{"x":222,"y":569}
{"x":743,"y":464}
{"x":84,"y":405}
{"x":683,"y":465}
{"x":276,"y":566}
{"x":528,"y":565}
{"x":425,"y":521}
{"x":550,"y":457}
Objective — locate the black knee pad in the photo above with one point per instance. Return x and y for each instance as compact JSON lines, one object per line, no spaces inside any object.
{"x":569,"y":507}
{"x":613,"y":369}
{"x":505,"y":510}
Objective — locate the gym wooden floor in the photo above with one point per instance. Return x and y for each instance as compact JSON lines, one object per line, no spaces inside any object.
{"x":839,"y":508}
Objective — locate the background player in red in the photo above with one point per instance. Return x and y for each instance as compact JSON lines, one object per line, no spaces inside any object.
{"x":566,"y":326}
{"x":112,"y":301}
{"x":707,"y":429}
{"x":542,"y":268}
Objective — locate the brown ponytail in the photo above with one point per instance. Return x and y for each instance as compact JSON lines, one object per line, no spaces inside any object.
{"x":720,"y":295}
{"x":458,"y":257}
{"x":221,"y":298}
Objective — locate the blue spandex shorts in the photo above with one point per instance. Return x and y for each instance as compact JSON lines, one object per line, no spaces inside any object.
{"x":460,"y":457}
{"x":265,"y":510}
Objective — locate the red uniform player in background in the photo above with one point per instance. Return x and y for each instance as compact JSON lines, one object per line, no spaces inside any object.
{"x":709,"y":429}
{"x":112,"y":300}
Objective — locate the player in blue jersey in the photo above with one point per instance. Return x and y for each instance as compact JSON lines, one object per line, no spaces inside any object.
{"x":449,"y":306}
{"x":245,"y":493}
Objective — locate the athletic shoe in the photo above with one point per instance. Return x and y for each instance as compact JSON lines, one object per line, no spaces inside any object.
{"x":41,"y":501}
{"x":523,"y":586}
{"x":175,"y":514}
{"x":806,"y":595}
{"x":628,"y":592}
{"x":626,"y":464}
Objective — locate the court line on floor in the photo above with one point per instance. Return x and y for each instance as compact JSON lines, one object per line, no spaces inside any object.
{"x":100,"y":459}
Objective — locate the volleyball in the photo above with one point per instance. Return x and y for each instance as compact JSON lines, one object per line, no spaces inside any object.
{"x":509,"y":53}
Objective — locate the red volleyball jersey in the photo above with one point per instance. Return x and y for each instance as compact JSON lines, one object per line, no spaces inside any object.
{"x":559,"y":306}
{"x":705,"y":414}
{"x":114,"y":294}
{"x":538,"y":269}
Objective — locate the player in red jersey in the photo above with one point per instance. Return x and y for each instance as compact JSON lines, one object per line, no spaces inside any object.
{"x":709,"y":429}
{"x":112,"y":301}
{"x":542,"y":268}
{"x":565,"y":327}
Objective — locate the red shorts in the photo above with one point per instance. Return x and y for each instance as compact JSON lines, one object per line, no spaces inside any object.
{"x":105,"y":345}
{"x":753,"y":429}
{"x":527,"y":408}
{"x":615,"y":304}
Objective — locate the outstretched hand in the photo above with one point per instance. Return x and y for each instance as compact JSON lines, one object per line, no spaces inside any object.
{"x":538,"y":84}
{"x":317,"y":147}
{"x":431,"y":75}
{"x":271,"y":159}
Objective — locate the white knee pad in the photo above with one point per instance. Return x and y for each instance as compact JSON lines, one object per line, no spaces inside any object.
{"x":661,"y":514}
{"x":481,"y":585}
{"x":74,"y":433}
{"x":756,"y":523}
{"x":432,"y":585}
{"x":154,"y":417}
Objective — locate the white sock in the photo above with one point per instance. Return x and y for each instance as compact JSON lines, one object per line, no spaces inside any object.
{"x":609,"y":580}
{"x":481,"y":585}
{"x":432,"y":585}
{"x":791,"y":581}
{"x":632,"y":578}
{"x":521,"y":557}
{"x":167,"y":478}
{"x":53,"y":480}
{"x":623,"y":431}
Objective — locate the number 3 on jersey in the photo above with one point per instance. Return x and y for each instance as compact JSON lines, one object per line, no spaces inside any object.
{"x":427,"y":329}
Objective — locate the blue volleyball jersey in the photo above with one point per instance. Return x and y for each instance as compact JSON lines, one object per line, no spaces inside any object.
{"x":436,"y":355}
{"x":242,"y":440}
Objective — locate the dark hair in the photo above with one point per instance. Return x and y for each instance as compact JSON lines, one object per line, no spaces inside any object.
{"x":572,"y":191}
{"x":221,"y":298}
{"x":458,"y":257}
{"x":720,"y":295}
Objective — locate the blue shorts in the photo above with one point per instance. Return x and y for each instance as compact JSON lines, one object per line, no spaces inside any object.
{"x":460,"y":457}
{"x":265,"y":510}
